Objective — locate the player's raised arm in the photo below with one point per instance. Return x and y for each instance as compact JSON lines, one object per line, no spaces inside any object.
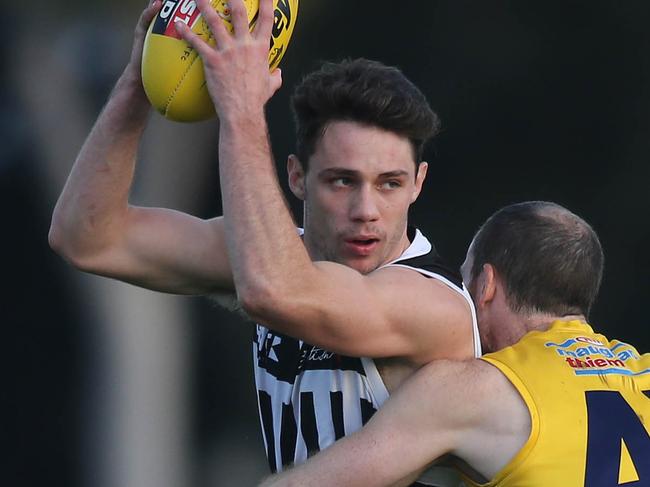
{"x":95,"y":228}
{"x":360,"y":183}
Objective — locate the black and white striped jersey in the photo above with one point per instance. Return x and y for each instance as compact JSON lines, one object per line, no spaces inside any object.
{"x":309,"y":397}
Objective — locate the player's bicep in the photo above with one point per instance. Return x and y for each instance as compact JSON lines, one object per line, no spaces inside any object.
{"x":343,"y":311}
{"x":170,"y":251}
{"x":390,"y":312}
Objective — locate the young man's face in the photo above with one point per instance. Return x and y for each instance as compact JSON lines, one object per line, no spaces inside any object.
{"x":359,"y":185}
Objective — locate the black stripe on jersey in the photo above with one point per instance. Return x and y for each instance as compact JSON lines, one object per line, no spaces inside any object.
{"x":432,"y":262}
{"x":278,"y":355}
{"x":308,"y":426}
{"x":647,"y":393}
{"x":288,"y":435}
{"x":367,"y":410}
{"x":267,"y":422}
{"x":336,"y":402}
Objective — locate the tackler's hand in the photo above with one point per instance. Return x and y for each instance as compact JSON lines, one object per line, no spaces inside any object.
{"x":237,"y":67}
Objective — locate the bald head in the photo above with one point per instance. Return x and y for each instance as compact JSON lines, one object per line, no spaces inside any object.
{"x":550,"y":260}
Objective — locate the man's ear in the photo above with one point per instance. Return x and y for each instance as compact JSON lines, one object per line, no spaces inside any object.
{"x":420,"y":175}
{"x":486,"y":286}
{"x":296,"y":176}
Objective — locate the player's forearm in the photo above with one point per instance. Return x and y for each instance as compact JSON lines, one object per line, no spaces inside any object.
{"x":261,"y":240}
{"x":94,"y":201}
{"x":392,"y":449}
{"x":265,"y":251}
{"x":340,"y":465}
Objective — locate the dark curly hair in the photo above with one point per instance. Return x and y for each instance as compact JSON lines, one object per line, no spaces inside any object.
{"x":363,"y":91}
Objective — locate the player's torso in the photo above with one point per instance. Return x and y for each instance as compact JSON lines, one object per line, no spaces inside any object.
{"x":310,"y":397}
{"x":589,"y":400}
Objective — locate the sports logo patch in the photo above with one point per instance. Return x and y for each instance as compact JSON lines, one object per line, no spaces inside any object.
{"x":173,"y":11}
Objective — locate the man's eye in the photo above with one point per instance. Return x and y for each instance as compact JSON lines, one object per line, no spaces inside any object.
{"x":341,"y":182}
{"x":391,"y":185}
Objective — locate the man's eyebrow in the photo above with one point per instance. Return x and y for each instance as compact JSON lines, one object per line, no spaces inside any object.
{"x":342,"y":171}
{"x":338,"y":171}
{"x":394,"y":174}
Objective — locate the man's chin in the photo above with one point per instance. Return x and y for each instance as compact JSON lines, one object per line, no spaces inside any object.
{"x":363,"y":265}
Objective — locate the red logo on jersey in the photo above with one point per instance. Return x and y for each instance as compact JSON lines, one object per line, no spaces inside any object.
{"x":588,"y":362}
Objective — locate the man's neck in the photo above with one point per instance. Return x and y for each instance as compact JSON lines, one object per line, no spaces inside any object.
{"x":518,"y":325}
{"x":542,"y":322}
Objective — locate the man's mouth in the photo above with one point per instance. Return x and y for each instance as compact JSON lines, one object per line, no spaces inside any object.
{"x":361,"y":246}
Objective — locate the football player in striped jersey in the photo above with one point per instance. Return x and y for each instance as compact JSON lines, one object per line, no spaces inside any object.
{"x":346,"y":310}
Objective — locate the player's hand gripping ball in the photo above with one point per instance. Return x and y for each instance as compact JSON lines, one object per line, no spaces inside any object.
{"x":172,"y":71}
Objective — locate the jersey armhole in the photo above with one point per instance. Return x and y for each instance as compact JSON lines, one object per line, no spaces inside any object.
{"x":527,"y":448}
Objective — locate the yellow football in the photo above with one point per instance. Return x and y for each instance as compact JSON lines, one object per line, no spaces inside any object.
{"x":172,"y":71}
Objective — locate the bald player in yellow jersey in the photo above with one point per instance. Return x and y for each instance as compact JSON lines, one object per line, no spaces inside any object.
{"x":554,"y":405}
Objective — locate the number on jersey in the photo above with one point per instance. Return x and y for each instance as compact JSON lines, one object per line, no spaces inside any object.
{"x":618,"y":445}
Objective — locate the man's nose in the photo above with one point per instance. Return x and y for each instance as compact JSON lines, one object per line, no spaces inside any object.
{"x":364,"y":205}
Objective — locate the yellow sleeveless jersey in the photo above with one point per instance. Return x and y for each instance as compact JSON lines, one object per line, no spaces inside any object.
{"x":589,"y":401}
